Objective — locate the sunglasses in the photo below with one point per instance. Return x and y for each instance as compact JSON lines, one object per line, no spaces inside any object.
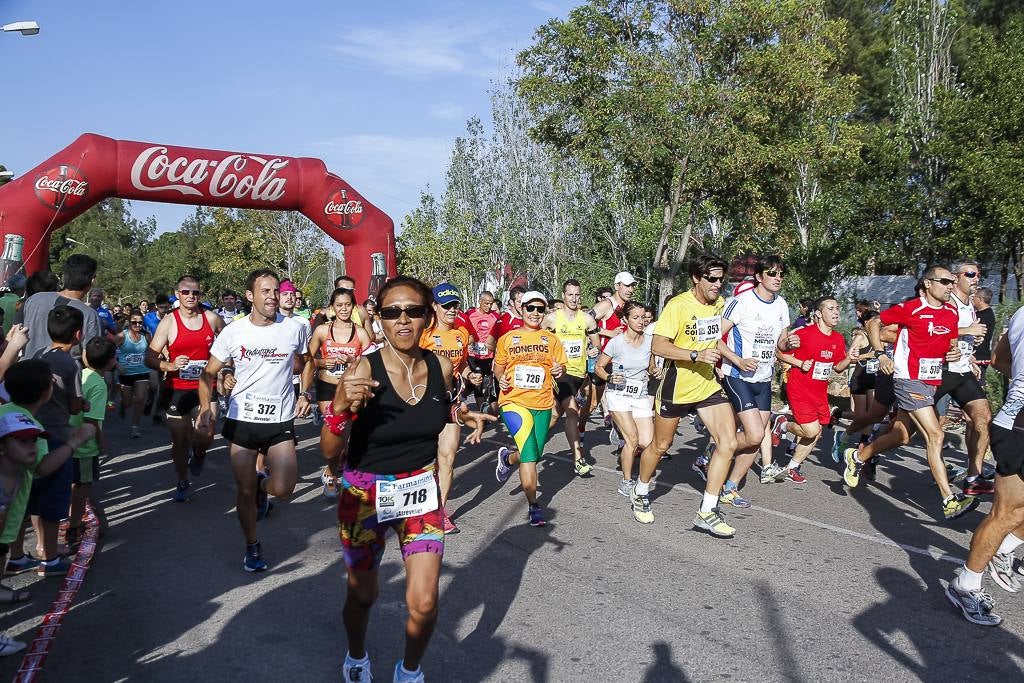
{"x":970,"y":274}
{"x":945,"y":281}
{"x":450,"y":305}
{"x":775,"y":273}
{"x":713,"y":280}
{"x":395,"y":312}
{"x":190,"y":292}
{"x":535,"y":308}
{"x":136,"y":322}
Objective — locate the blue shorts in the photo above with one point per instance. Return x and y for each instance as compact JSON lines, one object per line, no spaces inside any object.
{"x":745,"y":395}
{"x":50,"y":498}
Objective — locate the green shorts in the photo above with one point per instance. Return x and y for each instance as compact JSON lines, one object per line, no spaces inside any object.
{"x":529,"y":429}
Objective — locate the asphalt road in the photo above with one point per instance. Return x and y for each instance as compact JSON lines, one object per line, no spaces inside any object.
{"x":819,"y":584}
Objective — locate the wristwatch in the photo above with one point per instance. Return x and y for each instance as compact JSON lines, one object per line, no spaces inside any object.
{"x":693,"y":356}
{"x":879,"y":354}
{"x":308,"y":395}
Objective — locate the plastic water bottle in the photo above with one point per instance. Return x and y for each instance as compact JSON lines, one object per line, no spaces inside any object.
{"x":621,"y":371}
{"x":591,"y":365}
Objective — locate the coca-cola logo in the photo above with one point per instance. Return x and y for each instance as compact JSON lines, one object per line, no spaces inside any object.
{"x":239,"y":176}
{"x":61,"y":188}
{"x":344,"y":208}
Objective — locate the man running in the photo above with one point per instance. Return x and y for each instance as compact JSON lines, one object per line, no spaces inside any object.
{"x":510,"y":319}
{"x":266,"y":350}
{"x":607,"y":312}
{"x":481,"y":320}
{"x":927,"y":336}
{"x":185,"y":338}
{"x":228,"y":306}
{"x":689,"y":333}
{"x":573,"y":328}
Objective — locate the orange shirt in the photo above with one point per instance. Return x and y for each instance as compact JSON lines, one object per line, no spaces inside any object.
{"x":452,"y":344}
{"x":527,"y":356}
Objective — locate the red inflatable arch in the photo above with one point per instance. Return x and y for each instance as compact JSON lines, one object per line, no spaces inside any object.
{"x":94,"y":167}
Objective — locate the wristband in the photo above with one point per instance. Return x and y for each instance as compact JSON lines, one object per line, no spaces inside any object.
{"x":879,"y":354}
{"x":336,"y":423}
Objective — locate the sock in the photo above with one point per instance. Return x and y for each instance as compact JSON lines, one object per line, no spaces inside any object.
{"x":793,"y":465}
{"x":404,"y":673}
{"x":642,"y":487}
{"x":1009,"y":544}
{"x":365,"y":659}
{"x":709,"y":502}
{"x":968,"y":580}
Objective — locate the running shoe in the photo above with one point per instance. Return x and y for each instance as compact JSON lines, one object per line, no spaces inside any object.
{"x":714,"y":523}
{"x":416,"y":677}
{"x":772,"y":473}
{"x":582,"y":467}
{"x":504,"y":469}
{"x":958,"y":504}
{"x":181,"y":493}
{"x":262,"y":497}
{"x":536,"y":516}
{"x":793,"y":475}
{"x":979,"y":487}
{"x":356,"y":670}
{"x":976,"y":605}
{"x":626,"y":487}
{"x":608,"y":421}
{"x":254,"y":561}
{"x":731,"y":496}
{"x":641,"y":507}
{"x":196,"y":463}
{"x":330,"y":484}
{"x":58,"y":566}
{"x":1000,"y":568}
{"x":25,"y":563}
{"x":955,"y":474}
{"x":837,"y":446}
{"x":449,"y":525}
{"x":10,"y":646}
{"x":869,"y":469}
{"x":835,"y":415}
{"x":851,"y":475}
{"x":700,"y":466}
{"x":988,"y":471}
{"x":778,"y":429}
{"x":134,"y":433}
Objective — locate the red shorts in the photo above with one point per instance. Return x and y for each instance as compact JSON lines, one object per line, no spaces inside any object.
{"x":807,"y":409}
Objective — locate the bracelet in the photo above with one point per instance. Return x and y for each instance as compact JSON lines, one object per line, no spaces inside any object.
{"x":336,"y":423}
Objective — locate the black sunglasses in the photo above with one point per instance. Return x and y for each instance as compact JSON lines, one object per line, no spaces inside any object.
{"x":712,"y":280}
{"x":942,"y":280}
{"x":775,"y":273}
{"x":450,"y":305}
{"x":395,"y":312}
{"x":136,"y":322}
{"x":535,"y":308}
{"x":970,"y":274}
{"x":187,"y":292}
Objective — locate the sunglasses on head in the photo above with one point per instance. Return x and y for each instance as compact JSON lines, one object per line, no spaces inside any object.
{"x":943,"y":280}
{"x":775,"y":273}
{"x":713,"y":279}
{"x":450,"y":305}
{"x":535,"y":308}
{"x":395,"y":312}
{"x":970,"y":274}
{"x":192,"y":292}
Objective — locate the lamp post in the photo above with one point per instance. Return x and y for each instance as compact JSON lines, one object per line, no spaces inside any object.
{"x":25,"y":28}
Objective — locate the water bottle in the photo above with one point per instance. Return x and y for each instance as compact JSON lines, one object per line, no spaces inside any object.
{"x":621,"y":371}
{"x":591,"y":365}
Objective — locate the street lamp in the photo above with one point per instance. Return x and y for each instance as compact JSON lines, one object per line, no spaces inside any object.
{"x":5,"y":175}
{"x":25,"y":28}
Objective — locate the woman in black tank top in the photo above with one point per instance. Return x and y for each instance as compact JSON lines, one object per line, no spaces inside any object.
{"x":402,"y":398}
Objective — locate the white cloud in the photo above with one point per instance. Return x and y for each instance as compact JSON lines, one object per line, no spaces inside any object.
{"x":420,"y":49}
{"x":447,"y":111}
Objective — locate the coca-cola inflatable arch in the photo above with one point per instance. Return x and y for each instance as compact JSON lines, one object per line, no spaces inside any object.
{"x":94,"y":167}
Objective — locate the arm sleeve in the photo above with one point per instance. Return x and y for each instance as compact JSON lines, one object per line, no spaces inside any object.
{"x":896,"y":315}
{"x":95,"y":390}
{"x":500,"y":354}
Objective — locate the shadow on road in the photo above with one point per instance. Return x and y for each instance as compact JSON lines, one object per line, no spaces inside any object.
{"x":664,"y":669}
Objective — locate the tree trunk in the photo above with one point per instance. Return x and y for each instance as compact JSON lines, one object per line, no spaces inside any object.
{"x":1018,"y":269}
{"x":1004,"y":276}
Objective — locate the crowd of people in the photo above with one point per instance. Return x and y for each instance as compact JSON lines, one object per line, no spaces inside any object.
{"x":398,"y":382}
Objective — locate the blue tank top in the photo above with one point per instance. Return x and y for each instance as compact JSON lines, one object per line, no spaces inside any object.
{"x":131,"y":356}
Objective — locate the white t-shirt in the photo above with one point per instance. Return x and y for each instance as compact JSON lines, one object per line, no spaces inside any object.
{"x":659,"y":362}
{"x":757,"y":326}
{"x":634,"y":361}
{"x":968,"y":316}
{"x":263,"y":358}
{"x":1011,"y":410}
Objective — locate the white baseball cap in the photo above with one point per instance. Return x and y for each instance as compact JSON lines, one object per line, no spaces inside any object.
{"x":533,"y":295}
{"x":18,"y":425}
{"x":625,"y":278}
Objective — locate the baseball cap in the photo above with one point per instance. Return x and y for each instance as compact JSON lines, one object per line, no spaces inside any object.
{"x":625,"y":278}
{"x":287,"y":286}
{"x":19,"y":426}
{"x":533,"y":295}
{"x":743,"y":286}
{"x":445,"y":293}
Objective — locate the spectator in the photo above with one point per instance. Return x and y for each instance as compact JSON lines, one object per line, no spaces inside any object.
{"x":10,"y":299}
{"x":79,"y":276}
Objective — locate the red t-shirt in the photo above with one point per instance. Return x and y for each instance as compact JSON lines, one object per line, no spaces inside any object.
{"x":479,"y":324}
{"x":507,"y":322}
{"x":824,"y":352}
{"x":612,"y":322}
{"x":924,"y":338}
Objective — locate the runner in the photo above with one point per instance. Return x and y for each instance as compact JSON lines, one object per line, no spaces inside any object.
{"x":689,"y":333}
{"x":481,"y":321}
{"x":266,"y":349}
{"x":986,"y":316}
{"x":862,"y":386}
{"x":573,"y":328}
{"x":820,"y":352}
{"x":333,"y":346}
{"x":632,"y":409}
{"x":185,"y":337}
{"x":525,"y":363}
{"x":133,"y":375}
{"x":1002,"y":531}
{"x":286,"y":307}
{"x":607,"y":312}
{"x":229,"y":309}
{"x":403,"y":397}
{"x":510,"y":319}
{"x":754,"y":323}
{"x":359,"y":315}
{"x":927,"y":336}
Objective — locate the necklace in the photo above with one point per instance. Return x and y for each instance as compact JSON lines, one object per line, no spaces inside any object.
{"x":412,"y":400}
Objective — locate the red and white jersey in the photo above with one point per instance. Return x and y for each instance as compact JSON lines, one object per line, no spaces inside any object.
{"x":612,"y":322}
{"x":479,"y":324}
{"x":924,"y":339}
{"x":824,"y":351}
{"x":507,"y":322}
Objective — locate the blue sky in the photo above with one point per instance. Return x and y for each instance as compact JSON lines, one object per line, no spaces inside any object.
{"x":377,"y":90}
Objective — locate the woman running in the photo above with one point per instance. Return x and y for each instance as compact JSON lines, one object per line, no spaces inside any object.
{"x":862,"y":384}
{"x":333,"y":347}
{"x":626,"y":397}
{"x":403,"y":397}
{"x":525,"y":362}
{"x":133,"y":375}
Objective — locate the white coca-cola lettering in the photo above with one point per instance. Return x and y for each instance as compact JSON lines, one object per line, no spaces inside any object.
{"x":69,"y":186}
{"x":225,"y":176}
{"x":348,"y":208}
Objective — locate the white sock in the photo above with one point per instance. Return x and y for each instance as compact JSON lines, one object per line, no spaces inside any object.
{"x":968,"y":580}
{"x":709,"y":502}
{"x":1009,"y":544}
{"x":793,"y":465}
{"x":350,"y":658}
{"x":642,"y":487}
{"x":408,"y":674}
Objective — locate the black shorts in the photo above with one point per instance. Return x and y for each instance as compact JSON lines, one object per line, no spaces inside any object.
{"x":86,"y":470}
{"x":485,"y":366}
{"x":679,"y":410}
{"x":258,"y":436}
{"x":862,"y":382}
{"x":324,"y":391}
{"x":130,"y":380}
{"x":885,"y":390}
{"x":964,"y":387}
{"x":1008,"y":449}
{"x":567,"y":386}
{"x":179,"y":403}
{"x":748,"y":395}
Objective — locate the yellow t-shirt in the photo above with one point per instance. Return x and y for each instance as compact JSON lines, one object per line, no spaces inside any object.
{"x":527,"y":356}
{"x":573,"y":335}
{"x":451,"y":343}
{"x":690,"y":325}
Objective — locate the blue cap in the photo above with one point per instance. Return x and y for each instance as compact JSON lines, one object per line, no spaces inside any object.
{"x":446,"y":293}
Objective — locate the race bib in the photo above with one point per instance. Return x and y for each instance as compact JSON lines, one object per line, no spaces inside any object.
{"x":709,"y":328}
{"x":966,"y":348}
{"x":821,"y":370}
{"x":528,"y":377}
{"x":260,"y":408}
{"x":478,"y":349}
{"x":871,"y":367}
{"x":764,"y":351}
{"x":573,"y":349}
{"x":339,"y":372}
{"x":409,"y":497}
{"x":193,"y":370}
{"x":631,"y":388}
{"x":929,"y":368}
{"x":136,"y":359}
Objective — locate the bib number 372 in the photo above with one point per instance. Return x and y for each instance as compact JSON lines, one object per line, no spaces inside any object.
{"x":409,"y":497}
